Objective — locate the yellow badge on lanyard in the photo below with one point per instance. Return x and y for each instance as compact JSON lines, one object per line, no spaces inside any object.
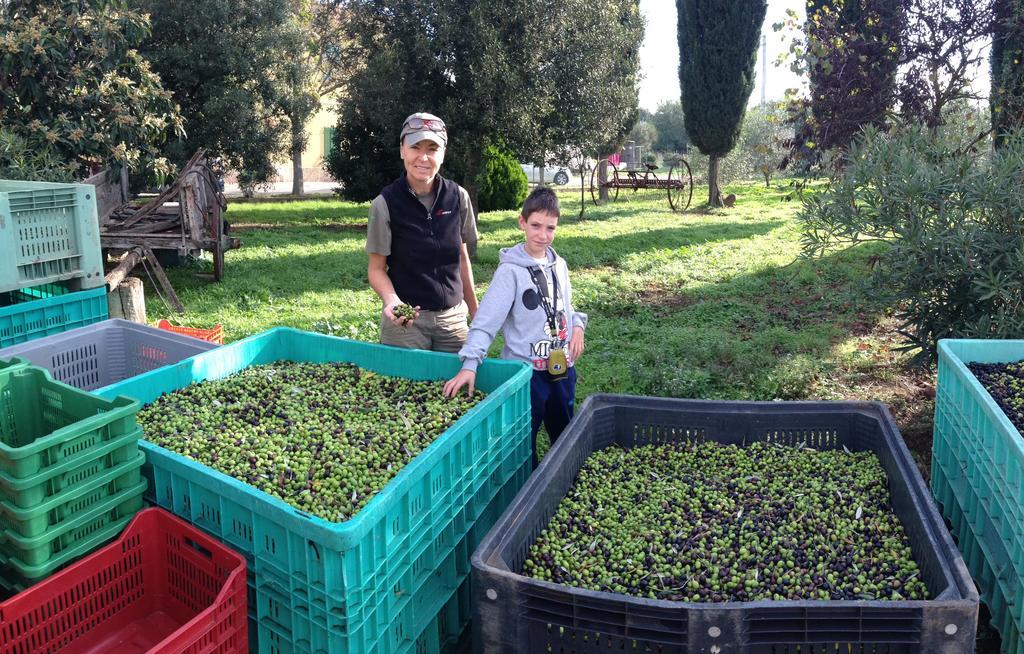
{"x":557,"y":365}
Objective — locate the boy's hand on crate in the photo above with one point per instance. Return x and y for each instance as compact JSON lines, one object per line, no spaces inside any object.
{"x":465,"y":378}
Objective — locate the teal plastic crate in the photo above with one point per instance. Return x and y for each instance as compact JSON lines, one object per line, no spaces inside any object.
{"x":986,"y":560}
{"x":26,"y":318}
{"x":48,"y":233}
{"x":318,"y":586}
{"x":978,"y":479}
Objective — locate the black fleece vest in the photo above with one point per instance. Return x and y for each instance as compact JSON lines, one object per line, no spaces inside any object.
{"x":425,"y":245}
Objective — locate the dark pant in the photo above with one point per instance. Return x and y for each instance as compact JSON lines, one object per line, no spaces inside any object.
{"x":552,"y":401}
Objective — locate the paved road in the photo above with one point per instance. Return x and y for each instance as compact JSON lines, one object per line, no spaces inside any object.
{"x":283,"y":188}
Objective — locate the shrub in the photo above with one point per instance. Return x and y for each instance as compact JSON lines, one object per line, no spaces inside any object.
{"x":37,"y":162}
{"x":952,"y":216}
{"x":502,"y":182}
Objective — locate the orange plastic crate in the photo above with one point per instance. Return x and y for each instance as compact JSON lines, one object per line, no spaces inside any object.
{"x":163,"y":586}
{"x":215,"y":335}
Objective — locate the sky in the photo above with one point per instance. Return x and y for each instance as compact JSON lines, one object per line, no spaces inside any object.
{"x":659,"y":54}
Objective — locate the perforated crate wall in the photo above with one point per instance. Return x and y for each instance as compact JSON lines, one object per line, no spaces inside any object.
{"x":48,"y":232}
{"x":516,"y":613}
{"x":319,"y":586}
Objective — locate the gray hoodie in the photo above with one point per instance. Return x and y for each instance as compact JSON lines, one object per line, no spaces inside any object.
{"x":513,"y":305}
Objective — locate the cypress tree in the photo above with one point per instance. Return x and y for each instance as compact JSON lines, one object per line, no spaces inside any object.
{"x":856,"y":44}
{"x":718,"y":42}
{"x":1007,"y":68}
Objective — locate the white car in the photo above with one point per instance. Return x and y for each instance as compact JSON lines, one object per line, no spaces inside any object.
{"x":553,"y":174}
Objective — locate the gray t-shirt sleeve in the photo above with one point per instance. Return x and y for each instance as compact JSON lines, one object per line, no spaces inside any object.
{"x":378,"y":228}
{"x":469,"y":233}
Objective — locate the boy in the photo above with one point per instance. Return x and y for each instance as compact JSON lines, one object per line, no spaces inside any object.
{"x":530,"y":300}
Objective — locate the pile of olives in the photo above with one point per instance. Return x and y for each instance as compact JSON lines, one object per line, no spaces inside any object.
{"x":404,"y":311}
{"x":1005,"y":383}
{"x":705,"y":522}
{"x":325,"y":438}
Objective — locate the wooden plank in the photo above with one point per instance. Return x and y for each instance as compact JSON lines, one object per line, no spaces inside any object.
{"x":158,"y":241}
{"x":166,"y":195}
{"x":165,"y":283}
{"x":111,"y":193}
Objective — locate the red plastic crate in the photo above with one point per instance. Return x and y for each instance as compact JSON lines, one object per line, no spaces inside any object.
{"x":163,"y":586}
{"x":215,"y":335}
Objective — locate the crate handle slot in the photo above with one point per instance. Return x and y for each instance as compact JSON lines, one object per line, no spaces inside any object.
{"x":199,"y":548}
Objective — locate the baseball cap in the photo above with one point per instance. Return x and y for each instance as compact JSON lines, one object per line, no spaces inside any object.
{"x":420,"y":126}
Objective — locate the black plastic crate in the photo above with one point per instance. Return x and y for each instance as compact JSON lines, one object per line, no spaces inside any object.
{"x":515,"y":613}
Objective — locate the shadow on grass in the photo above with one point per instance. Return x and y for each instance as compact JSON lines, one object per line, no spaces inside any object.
{"x":592,"y":251}
{"x":759,"y":336}
{"x":304,"y":213}
{"x":283,"y":263}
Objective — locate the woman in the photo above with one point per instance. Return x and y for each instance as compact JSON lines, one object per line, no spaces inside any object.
{"x":418,"y":230}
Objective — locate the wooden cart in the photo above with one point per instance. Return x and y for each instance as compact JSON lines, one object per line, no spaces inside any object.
{"x":185,"y":219}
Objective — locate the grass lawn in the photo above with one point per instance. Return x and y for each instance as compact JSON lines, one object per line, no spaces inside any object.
{"x":711,"y":305}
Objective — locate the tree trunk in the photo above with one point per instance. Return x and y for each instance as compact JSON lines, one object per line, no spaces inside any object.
{"x":602,"y":175}
{"x":473,"y":158}
{"x":540,"y":174}
{"x":714,"y":193}
{"x":583,"y":197}
{"x":298,"y":145}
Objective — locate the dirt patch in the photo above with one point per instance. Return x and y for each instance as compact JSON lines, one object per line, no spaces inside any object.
{"x":908,"y":390}
{"x":663,"y":296}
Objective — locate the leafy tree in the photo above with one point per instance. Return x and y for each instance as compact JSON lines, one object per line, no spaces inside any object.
{"x":227,"y":63}
{"x":644,"y":134}
{"x":1007,"y":65}
{"x":874,"y":61}
{"x":552,"y":80}
{"x":75,"y":94}
{"x":472,"y":64}
{"x":940,"y":52}
{"x":321,"y":69}
{"x":718,"y":42}
{"x":671,"y":126}
{"x":35,"y":162}
{"x":763,"y":140}
{"x":853,"y":50}
{"x":590,"y":80}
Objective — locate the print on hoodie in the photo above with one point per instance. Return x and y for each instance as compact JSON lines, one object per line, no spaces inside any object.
{"x":513,"y":305}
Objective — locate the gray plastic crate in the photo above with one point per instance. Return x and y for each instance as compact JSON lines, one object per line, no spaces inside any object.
{"x":106,"y":352}
{"x":516,"y":613}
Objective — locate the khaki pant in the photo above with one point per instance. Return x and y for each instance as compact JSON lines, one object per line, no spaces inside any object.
{"x":441,"y":331}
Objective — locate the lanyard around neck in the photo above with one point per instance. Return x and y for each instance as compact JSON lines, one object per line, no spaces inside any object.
{"x":542,"y":288}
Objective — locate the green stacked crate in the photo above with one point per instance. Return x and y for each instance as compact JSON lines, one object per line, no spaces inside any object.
{"x":69,"y":472}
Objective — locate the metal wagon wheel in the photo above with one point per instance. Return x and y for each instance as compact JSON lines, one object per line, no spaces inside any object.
{"x":610,"y":181}
{"x":680,"y":186}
